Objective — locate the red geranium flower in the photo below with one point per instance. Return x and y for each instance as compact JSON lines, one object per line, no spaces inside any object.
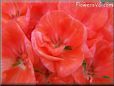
{"x":17,"y":55}
{"x":98,"y":69}
{"x":56,"y":43}
{"x":58,"y":40}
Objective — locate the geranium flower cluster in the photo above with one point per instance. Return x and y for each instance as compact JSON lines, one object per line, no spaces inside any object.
{"x":57,"y":43}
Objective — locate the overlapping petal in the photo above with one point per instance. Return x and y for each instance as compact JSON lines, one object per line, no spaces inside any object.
{"x":56,"y":43}
{"x":51,"y":38}
{"x":17,"y":55}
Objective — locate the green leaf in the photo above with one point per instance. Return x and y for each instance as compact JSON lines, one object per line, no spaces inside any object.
{"x":106,"y":77}
{"x":67,"y":48}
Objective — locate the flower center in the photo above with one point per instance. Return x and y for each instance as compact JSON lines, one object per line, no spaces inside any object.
{"x":88,"y":71}
{"x":20,"y":61}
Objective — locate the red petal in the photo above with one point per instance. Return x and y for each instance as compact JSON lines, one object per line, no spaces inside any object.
{"x":17,"y":75}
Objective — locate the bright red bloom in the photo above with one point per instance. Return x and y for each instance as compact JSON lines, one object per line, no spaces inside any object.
{"x":60,"y":51}
{"x":98,"y":21}
{"x":98,"y":69}
{"x":17,"y":55}
{"x":17,"y":11}
{"x":56,"y":43}
{"x":37,"y":10}
{"x":94,"y":18}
